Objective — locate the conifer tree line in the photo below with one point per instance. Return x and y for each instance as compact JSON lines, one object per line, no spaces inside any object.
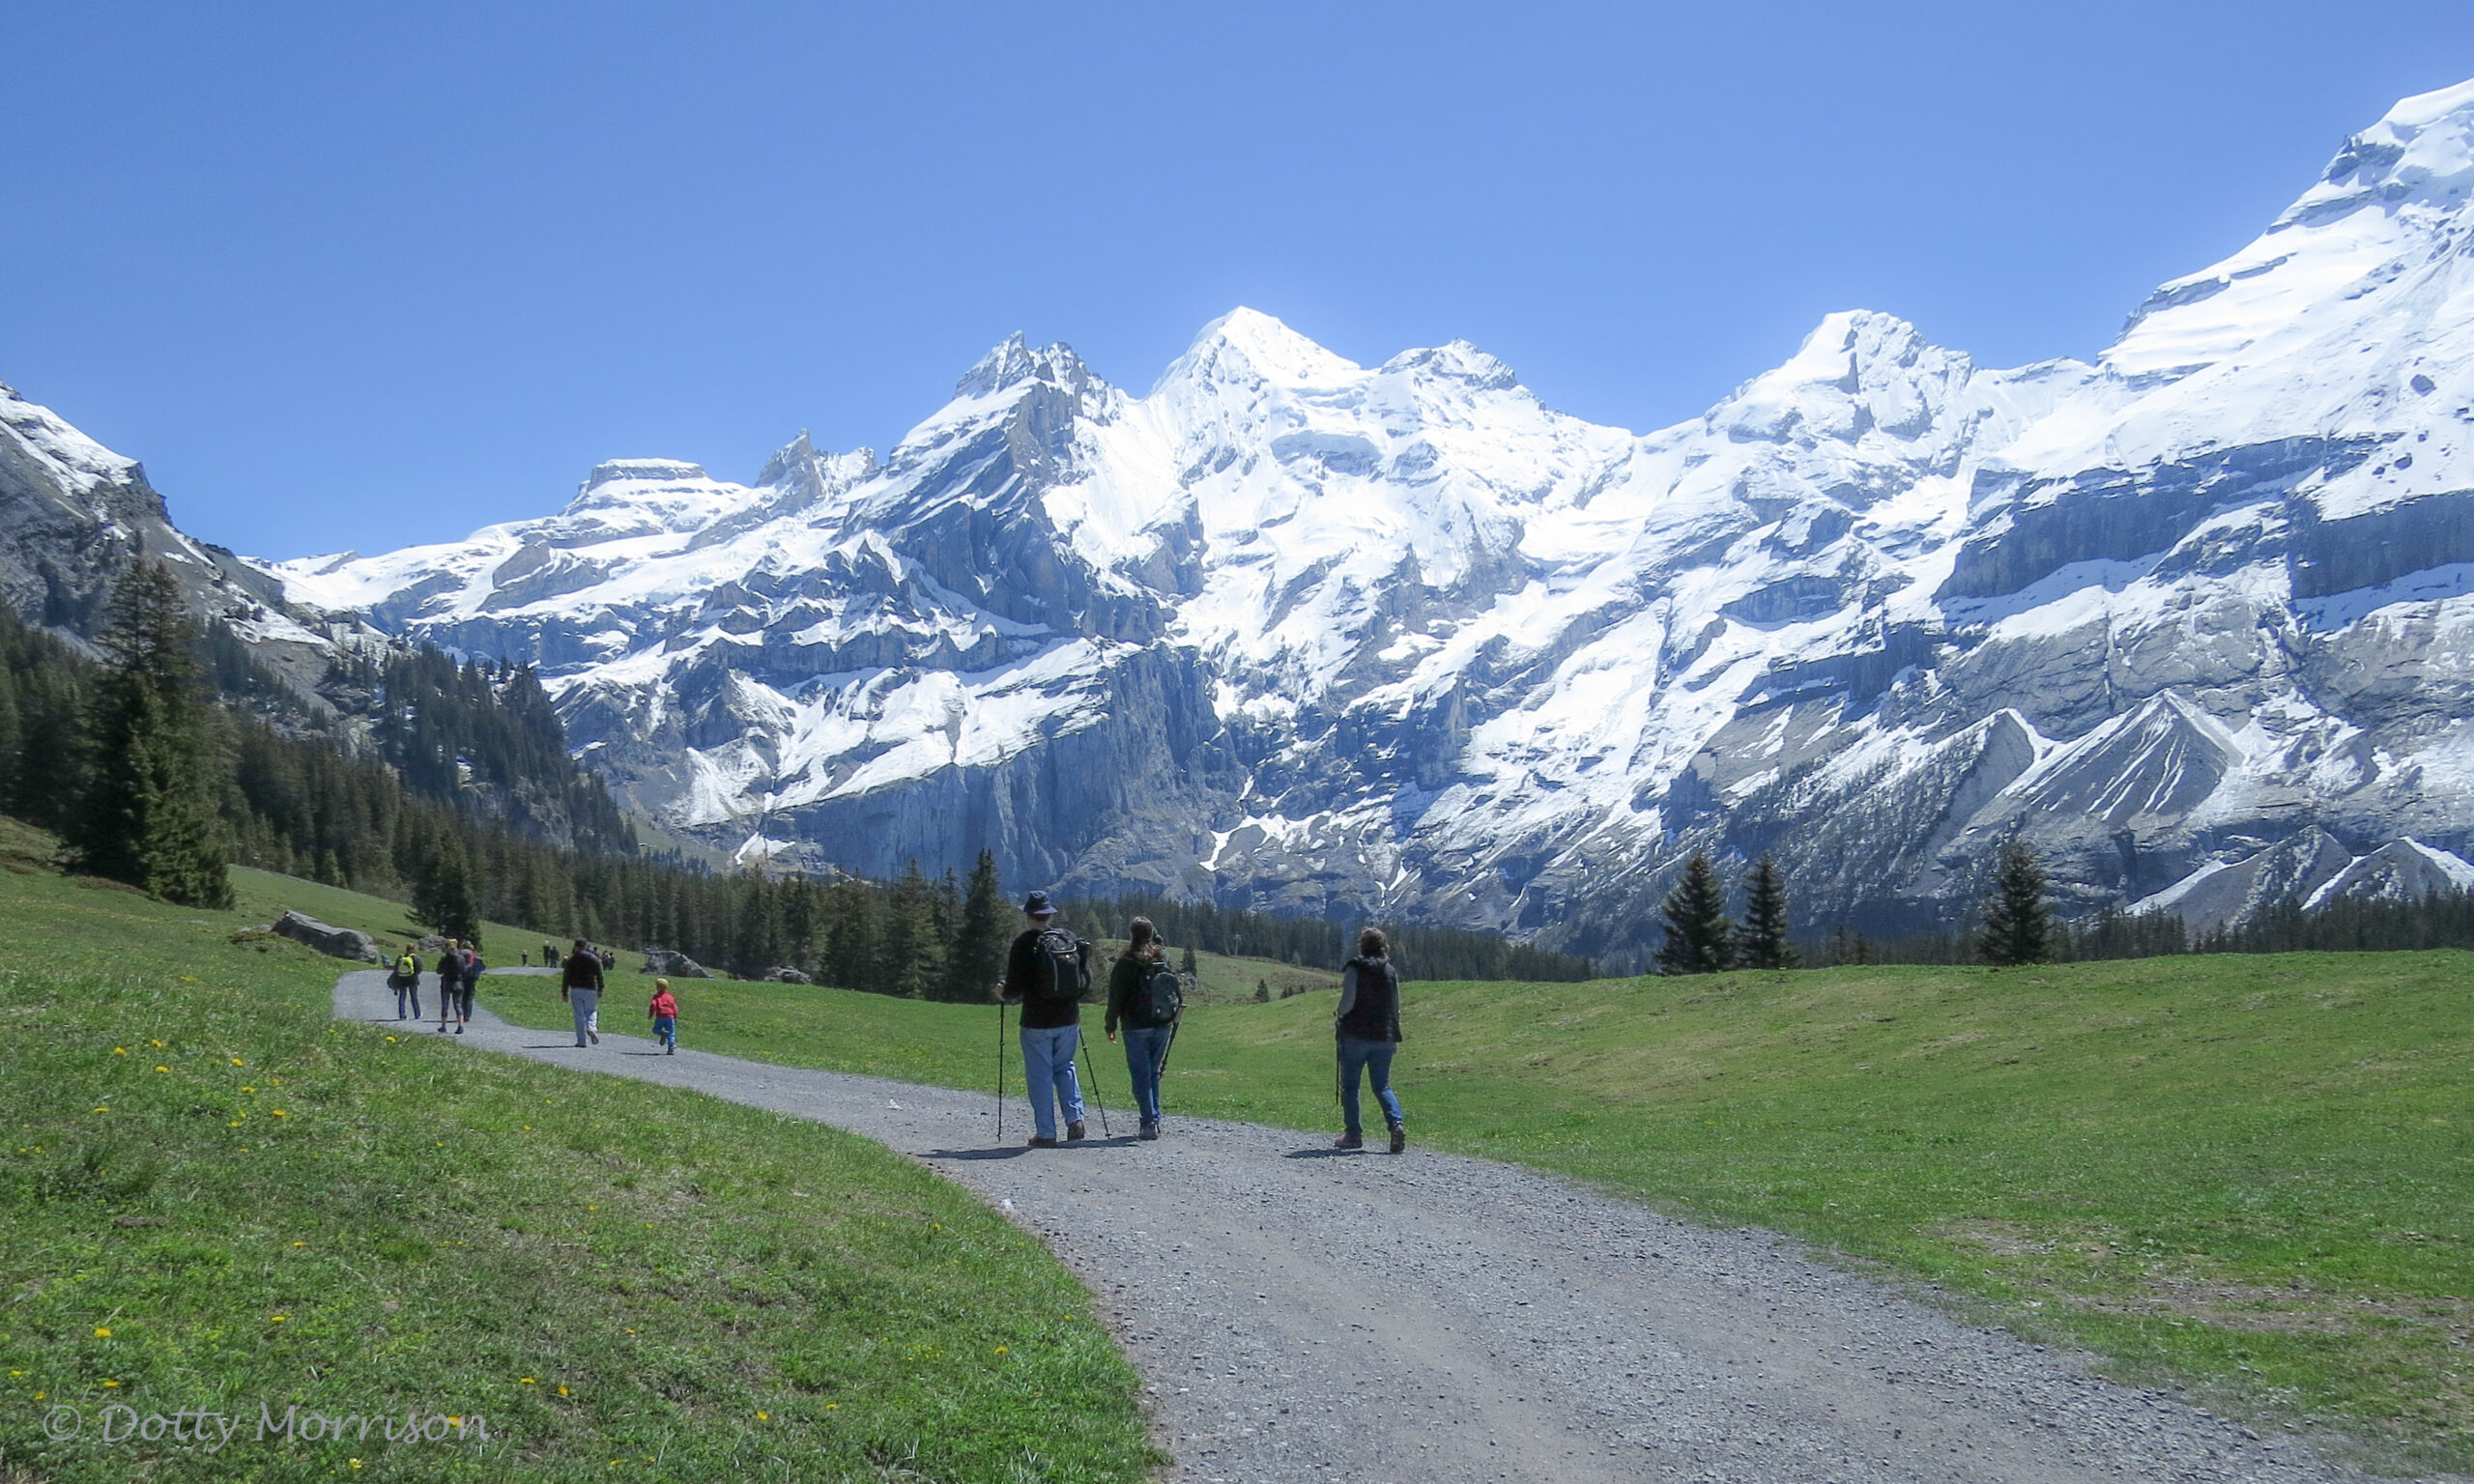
{"x":1416,"y":952}
{"x":1701,"y":938}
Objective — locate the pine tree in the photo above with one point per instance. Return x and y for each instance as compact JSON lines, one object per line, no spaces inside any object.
{"x":1762,"y":944}
{"x":2018,"y":926}
{"x":1698,"y":934}
{"x":980,"y":940}
{"x":914,"y":952}
{"x":150,"y":817}
{"x":1193,"y":972}
{"x":442,"y":892}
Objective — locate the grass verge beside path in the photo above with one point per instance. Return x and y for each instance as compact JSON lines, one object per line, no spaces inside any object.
{"x":2250,"y":1173}
{"x":217,"y":1197}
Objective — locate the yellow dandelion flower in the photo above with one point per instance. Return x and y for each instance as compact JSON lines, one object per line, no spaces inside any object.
{"x":277,"y":1319}
{"x":300,"y":1244}
{"x":157,"y":1044}
{"x":248,"y":1089}
{"x":278,"y":1113}
{"x":162,"y":1068}
{"x":562,"y":1389}
{"x":120,"y":1050}
{"x":237,"y":1061}
{"x":112,"y":1383}
{"x":765,"y":1417}
{"x":527,"y":1380}
{"x":102,"y":1331}
{"x":390,"y":1038}
{"x":102,"y":1110}
{"x":1003,"y":1348}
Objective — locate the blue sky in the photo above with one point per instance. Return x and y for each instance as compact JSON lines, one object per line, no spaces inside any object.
{"x":350,"y":275}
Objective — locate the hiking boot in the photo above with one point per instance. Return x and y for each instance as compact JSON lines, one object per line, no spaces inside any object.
{"x":596,"y":1036}
{"x":1148,"y":1131}
{"x":1399,"y":1138}
{"x":669,"y":1052}
{"x":1042,"y":1141}
{"x":1349,"y":1141}
{"x":459,"y":1029}
{"x":1072,"y":1131}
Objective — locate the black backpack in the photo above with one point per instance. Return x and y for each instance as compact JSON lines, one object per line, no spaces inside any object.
{"x":1068,"y":959}
{"x":1162,"y":997}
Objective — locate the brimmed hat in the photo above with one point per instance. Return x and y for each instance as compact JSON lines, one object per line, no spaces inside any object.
{"x":1037,"y":905}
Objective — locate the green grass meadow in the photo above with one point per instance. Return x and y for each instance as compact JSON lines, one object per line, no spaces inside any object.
{"x":216,"y":1197}
{"x":2254,"y":1175}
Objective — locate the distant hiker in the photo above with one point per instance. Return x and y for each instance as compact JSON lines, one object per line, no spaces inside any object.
{"x":549,"y":955}
{"x":451,"y":981}
{"x":579,"y":986}
{"x":1146,"y":997}
{"x":1046,"y":973}
{"x":404,"y":979}
{"x":665,"y":1013}
{"x":609,"y":961}
{"x":1368,"y":1031}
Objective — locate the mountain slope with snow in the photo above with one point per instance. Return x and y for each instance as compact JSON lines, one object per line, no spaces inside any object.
{"x":1295,"y":633}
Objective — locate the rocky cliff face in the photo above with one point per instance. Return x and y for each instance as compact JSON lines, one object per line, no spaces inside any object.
{"x":73,"y":516}
{"x":1294,"y":633}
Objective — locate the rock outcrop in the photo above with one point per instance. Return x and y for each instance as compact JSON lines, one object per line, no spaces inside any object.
{"x":336,"y":942}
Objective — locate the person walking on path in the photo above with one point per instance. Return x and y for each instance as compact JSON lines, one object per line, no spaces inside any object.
{"x":579,"y":986}
{"x":466,"y":984}
{"x":1368,"y":1031}
{"x":549,"y":955}
{"x":1045,"y":973}
{"x":404,"y":979}
{"x":451,"y":981}
{"x":1146,"y":997}
{"x":665,"y":1012}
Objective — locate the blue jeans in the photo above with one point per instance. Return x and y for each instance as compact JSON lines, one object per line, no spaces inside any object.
{"x":1375,"y":1056}
{"x":1145,"y":1048}
{"x":412,"y":993}
{"x":1048,"y":1074}
{"x":666,"y":1030}
{"x":587,"y":1007}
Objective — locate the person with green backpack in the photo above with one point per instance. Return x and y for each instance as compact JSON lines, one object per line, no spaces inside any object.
{"x":1146,"y":997}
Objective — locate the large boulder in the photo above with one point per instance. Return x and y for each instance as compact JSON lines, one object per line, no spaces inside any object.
{"x":671,"y":963}
{"x":336,"y":942}
{"x":785,"y":974}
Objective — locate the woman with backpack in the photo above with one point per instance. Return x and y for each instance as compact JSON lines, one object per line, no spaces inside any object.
{"x":406,"y":982}
{"x":1146,"y":997}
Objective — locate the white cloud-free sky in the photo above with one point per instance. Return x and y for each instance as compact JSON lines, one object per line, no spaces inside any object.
{"x":352,"y":276}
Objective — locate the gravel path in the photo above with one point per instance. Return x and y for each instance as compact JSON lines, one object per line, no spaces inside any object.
{"x":1431,"y":1319}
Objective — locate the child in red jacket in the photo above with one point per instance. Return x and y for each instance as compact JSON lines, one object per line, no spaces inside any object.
{"x":665,"y":1013}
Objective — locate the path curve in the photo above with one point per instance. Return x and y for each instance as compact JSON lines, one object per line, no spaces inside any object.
{"x":1432,"y":1319}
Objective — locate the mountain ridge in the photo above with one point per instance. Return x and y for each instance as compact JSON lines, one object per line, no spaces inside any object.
{"x":1288,"y":632}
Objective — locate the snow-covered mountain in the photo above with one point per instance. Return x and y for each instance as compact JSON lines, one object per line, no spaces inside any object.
{"x":1295,"y":633}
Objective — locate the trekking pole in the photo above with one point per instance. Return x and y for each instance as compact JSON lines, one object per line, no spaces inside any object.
{"x":1099,"y":1104}
{"x":1000,"y":1069}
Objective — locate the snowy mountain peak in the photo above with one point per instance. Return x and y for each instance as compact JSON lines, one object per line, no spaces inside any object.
{"x":655,"y":471}
{"x":1246,"y":344}
{"x":2423,"y":148}
{"x":1014,"y":362}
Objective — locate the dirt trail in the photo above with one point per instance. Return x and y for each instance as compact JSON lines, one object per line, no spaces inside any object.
{"x":1431,"y":1319}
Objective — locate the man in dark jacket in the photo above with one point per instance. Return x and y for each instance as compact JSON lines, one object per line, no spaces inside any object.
{"x":1368,"y":1028}
{"x":579,"y":986}
{"x":1044,"y":973}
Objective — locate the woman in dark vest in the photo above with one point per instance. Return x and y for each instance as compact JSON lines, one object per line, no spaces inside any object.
{"x":1368,"y":1027}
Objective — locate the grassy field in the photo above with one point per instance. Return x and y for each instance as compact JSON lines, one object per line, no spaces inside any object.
{"x":216,"y":1197}
{"x":2252,"y":1174}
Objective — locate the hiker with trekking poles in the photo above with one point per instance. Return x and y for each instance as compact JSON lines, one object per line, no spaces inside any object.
{"x":1366,"y":1034}
{"x":1146,"y":997}
{"x":1046,"y":973}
